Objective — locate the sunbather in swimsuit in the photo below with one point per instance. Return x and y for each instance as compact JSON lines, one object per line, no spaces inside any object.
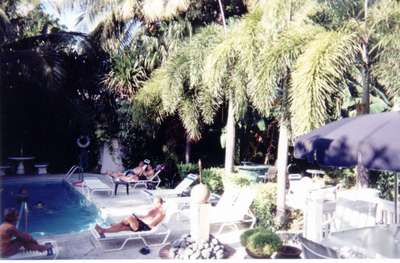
{"x":137,"y":223}
{"x":11,"y":239}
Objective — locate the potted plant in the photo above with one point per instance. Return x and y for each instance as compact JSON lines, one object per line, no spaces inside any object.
{"x":287,"y":251}
{"x":260,"y":242}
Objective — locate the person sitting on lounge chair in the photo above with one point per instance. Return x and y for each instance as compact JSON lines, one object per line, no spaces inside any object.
{"x":137,"y":223}
{"x":12,"y":239}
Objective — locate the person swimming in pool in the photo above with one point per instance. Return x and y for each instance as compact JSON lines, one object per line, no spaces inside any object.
{"x":137,"y":223}
{"x":23,"y":195}
{"x":39,"y":205}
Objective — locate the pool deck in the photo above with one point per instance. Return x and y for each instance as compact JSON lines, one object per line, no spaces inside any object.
{"x":82,"y":245}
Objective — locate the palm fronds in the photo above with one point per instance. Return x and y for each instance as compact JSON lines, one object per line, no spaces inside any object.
{"x":387,"y":68}
{"x":275,"y":61}
{"x":178,"y":81}
{"x":163,"y":9}
{"x":6,"y":31}
{"x":317,"y":77}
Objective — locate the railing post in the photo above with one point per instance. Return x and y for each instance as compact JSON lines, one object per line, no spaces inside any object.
{"x":313,"y":216}
{"x":26,"y":216}
{"x":396,"y":197}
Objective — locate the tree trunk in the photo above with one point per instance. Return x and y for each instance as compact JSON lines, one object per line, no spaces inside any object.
{"x":230,"y":123}
{"x":188,"y":149}
{"x":281,"y":164}
{"x":362,"y":177}
{"x":230,"y":138}
{"x":365,"y":79}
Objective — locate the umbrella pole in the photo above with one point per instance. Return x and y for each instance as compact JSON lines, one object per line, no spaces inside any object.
{"x":396,"y":197}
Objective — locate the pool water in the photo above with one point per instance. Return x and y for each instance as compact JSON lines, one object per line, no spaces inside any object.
{"x":64,"y":210}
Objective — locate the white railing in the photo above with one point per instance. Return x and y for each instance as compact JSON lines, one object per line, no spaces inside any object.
{"x":318,"y":211}
{"x":384,"y":214}
{"x":72,"y":170}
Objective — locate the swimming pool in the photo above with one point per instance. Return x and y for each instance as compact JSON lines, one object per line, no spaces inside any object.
{"x":64,"y":210}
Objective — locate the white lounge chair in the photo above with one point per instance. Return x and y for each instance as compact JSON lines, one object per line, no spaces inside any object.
{"x":161,"y":229}
{"x":177,"y":191}
{"x":350,"y":214}
{"x":234,"y":208}
{"x":48,"y":254}
{"x":153,"y":180}
{"x":94,"y":184}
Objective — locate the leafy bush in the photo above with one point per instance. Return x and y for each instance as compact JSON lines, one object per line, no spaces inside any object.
{"x":264,"y":205}
{"x":385,"y":185}
{"x":347,"y":177}
{"x":244,"y":237}
{"x":187,"y":168}
{"x":238,"y":179}
{"x":294,"y":220}
{"x":261,"y":242}
{"x":212,"y":177}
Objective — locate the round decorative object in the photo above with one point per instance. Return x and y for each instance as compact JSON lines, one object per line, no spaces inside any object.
{"x":199,"y":194}
{"x":83,"y":141}
{"x":288,"y":252}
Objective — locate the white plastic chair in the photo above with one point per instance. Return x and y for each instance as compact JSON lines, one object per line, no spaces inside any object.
{"x":155,"y":179}
{"x":234,"y":208}
{"x":178,"y":190}
{"x":94,"y":184}
{"x":161,"y":229}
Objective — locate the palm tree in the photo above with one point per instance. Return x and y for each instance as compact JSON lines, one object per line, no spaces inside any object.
{"x":359,"y":59}
{"x":225,"y":75}
{"x":175,"y":87}
{"x":314,"y":63}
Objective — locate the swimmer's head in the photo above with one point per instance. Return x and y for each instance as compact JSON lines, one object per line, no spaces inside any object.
{"x":39,"y":204}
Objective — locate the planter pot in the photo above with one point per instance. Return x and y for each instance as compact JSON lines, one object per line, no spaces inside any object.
{"x":256,"y":256}
{"x":288,"y":252}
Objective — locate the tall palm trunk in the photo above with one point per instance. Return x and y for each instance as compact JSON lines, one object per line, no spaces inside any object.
{"x":282,"y":171}
{"x":230,"y":123}
{"x":361,"y":173}
{"x":230,"y":138}
{"x":188,"y":149}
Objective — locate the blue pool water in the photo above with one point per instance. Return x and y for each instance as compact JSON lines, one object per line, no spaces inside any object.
{"x":65,"y":210}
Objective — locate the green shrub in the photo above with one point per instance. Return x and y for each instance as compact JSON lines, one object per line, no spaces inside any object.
{"x":187,"y":168}
{"x":244,"y":237}
{"x":347,"y":177}
{"x":385,"y":185}
{"x":294,"y":219}
{"x":237,"y":179}
{"x":261,"y":242}
{"x":212,"y":177}
{"x":264,"y":205}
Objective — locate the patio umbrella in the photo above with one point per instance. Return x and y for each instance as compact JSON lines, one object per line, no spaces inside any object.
{"x":371,"y":140}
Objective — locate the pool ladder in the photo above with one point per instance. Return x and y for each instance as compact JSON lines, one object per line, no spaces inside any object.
{"x":22,"y":209}
{"x":72,"y":170}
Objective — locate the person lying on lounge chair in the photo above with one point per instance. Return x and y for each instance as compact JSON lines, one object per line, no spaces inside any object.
{"x":147,"y":173}
{"x":12,"y":239}
{"x":138,"y":170}
{"x":137,"y":223}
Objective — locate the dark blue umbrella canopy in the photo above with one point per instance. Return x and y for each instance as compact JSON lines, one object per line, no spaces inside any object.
{"x":372,"y":140}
